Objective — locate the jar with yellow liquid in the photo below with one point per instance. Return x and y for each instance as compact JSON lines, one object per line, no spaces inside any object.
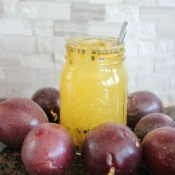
{"x":93,"y":85}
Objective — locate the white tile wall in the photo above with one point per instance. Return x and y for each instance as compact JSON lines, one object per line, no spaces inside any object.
{"x":147,"y":31}
{"x":165,"y":47}
{"x":167,"y":3}
{"x":49,"y":77}
{"x":166,"y":31}
{"x":51,"y":44}
{"x":33,"y":34}
{"x":157,"y":14}
{"x":121,"y":13}
{"x":172,"y":83}
{"x":37,"y":10}
{"x":131,"y":49}
{"x":138,"y":64}
{"x":10,"y":59}
{"x":17,"y":75}
{"x":148,"y":2}
{"x":43,"y":27}
{"x":15,"y":27}
{"x":70,"y":28}
{"x":2,"y":74}
{"x":104,"y":29}
{"x":87,"y":11}
{"x":106,"y":1}
{"x":147,"y":80}
{"x":41,"y":60}
{"x":163,"y":65}
{"x":147,"y":48}
{"x":13,"y":90}
{"x":18,"y":43}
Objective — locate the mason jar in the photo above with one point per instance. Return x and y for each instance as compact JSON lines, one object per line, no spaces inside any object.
{"x":93,"y":85}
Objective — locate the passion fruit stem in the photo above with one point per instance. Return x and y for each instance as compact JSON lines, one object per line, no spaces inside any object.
{"x":111,"y":171}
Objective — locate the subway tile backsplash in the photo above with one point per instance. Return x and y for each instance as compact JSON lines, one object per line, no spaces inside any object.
{"x":33,"y":34}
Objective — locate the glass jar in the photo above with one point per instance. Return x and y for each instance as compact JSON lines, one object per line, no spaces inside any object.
{"x":93,"y":85}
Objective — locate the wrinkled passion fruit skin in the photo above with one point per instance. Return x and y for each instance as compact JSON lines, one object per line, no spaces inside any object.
{"x":152,"y":121}
{"x":49,"y":100}
{"x":141,"y":103}
{"x":159,"y":151}
{"x":48,"y":149}
{"x":111,"y":145}
{"x":17,"y":117}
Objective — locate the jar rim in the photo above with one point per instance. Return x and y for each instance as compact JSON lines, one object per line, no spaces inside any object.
{"x":94,"y":44}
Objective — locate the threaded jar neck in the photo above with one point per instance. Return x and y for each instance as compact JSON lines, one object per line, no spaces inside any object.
{"x":94,"y":49}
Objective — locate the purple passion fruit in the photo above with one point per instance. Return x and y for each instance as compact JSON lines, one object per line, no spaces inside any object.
{"x":151,"y":122}
{"x":17,"y":117}
{"x":141,"y":103}
{"x":111,"y":147}
{"x":159,"y":151}
{"x":49,"y":100}
{"x":48,"y":149}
